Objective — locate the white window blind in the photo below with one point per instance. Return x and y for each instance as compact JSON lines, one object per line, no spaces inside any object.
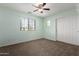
{"x":27,"y":24}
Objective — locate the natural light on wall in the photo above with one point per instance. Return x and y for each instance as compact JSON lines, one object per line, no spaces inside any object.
{"x":48,"y":23}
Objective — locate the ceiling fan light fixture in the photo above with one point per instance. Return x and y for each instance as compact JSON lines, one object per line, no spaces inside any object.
{"x":40,"y":10}
{"x":40,"y":7}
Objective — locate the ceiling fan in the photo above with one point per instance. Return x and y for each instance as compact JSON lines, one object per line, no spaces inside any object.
{"x":40,"y":7}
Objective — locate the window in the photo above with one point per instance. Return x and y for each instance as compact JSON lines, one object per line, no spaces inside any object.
{"x":27,"y":24}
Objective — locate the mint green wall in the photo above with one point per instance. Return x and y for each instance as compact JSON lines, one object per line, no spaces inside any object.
{"x":49,"y":31}
{"x":10,"y":28}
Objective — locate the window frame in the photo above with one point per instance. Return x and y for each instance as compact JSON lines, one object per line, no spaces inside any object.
{"x":28,"y":24}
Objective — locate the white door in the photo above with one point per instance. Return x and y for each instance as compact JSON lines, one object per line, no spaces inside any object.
{"x":77,"y":31}
{"x":66,"y":27}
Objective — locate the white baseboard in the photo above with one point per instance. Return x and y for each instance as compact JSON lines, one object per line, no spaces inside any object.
{"x":12,"y":43}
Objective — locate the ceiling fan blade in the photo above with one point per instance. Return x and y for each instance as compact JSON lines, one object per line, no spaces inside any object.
{"x":44,"y":4}
{"x":35,"y":6}
{"x":46,"y":9}
{"x":35,"y":10}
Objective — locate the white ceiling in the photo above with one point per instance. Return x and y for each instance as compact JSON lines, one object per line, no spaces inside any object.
{"x":27,"y":7}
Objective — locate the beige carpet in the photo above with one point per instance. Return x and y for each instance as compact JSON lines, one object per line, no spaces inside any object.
{"x":40,"y":47}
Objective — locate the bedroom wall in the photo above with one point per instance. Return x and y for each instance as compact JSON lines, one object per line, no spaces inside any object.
{"x":10,"y":28}
{"x":63,"y":26}
{"x":49,"y":29}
